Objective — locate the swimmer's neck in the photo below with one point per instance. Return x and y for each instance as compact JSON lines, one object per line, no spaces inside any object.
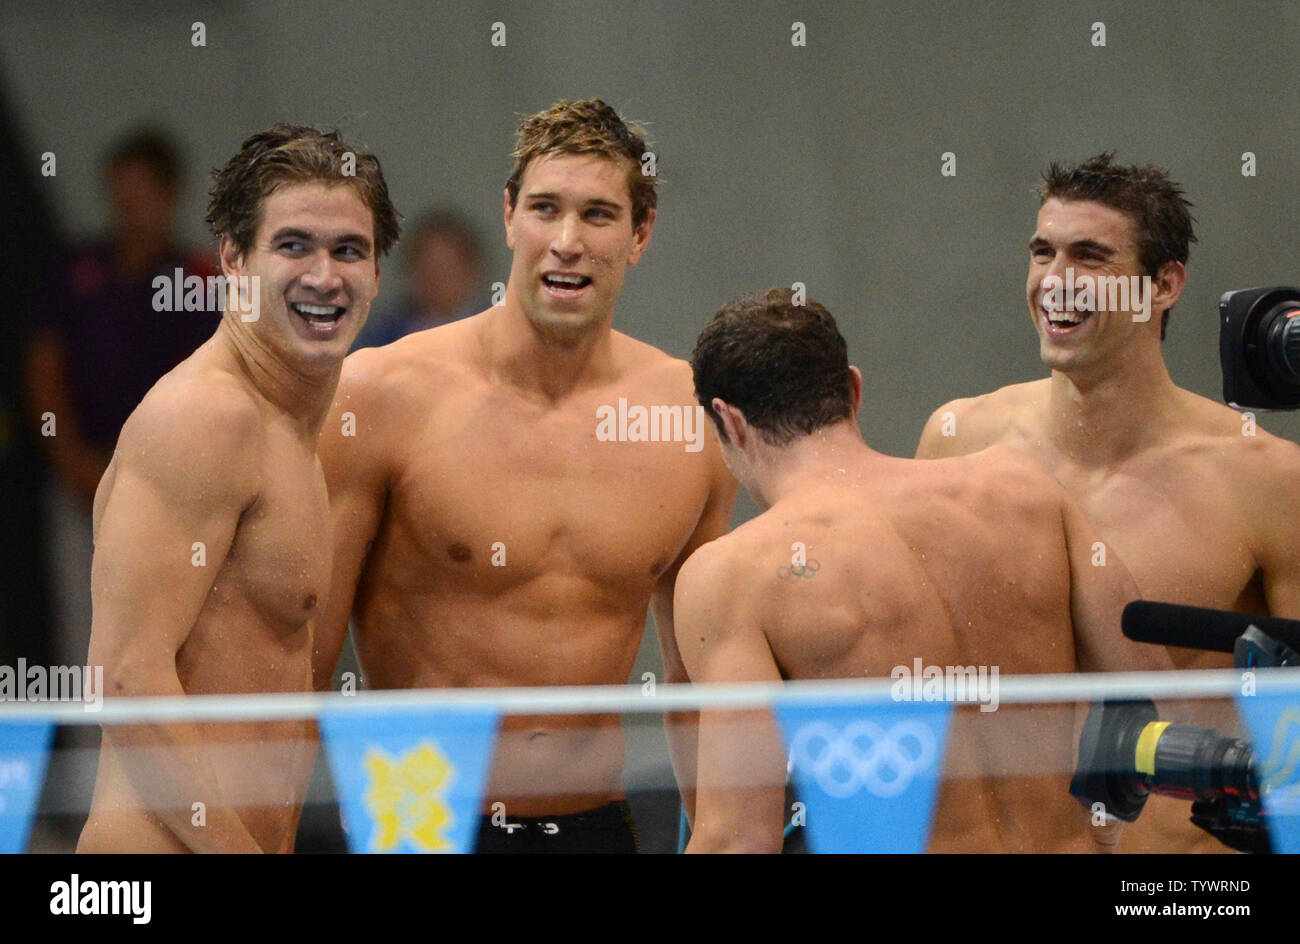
{"x":305,"y":397}
{"x":515,"y":354}
{"x":835,"y":453}
{"x":1102,"y":416}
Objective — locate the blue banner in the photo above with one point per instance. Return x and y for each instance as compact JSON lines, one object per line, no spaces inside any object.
{"x":24,"y":750}
{"x":1272,"y":716}
{"x":867,"y":771}
{"x":409,"y":782}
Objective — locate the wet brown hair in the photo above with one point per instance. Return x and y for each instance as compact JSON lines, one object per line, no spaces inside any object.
{"x":784,"y":365}
{"x":586,"y":127}
{"x":291,"y":154}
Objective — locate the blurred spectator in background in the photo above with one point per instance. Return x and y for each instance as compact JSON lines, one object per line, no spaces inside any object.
{"x":444,"y":259}
{"x":97,"y":346}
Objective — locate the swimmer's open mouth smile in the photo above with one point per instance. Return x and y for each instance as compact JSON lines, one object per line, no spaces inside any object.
{"x":565,"y":285}
{"x":321,"y":319}
{"x":1060,"y":322}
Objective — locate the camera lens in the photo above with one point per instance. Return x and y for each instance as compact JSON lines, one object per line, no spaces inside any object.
{"x":1195,"y":763}
{"x":1283,"y":342}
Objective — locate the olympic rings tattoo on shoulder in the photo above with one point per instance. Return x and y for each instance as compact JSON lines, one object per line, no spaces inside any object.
{"x":808,"y":570}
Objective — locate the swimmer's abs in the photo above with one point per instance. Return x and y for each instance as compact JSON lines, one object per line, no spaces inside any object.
{"x":417,"y":642}
{"x":556,"y":765}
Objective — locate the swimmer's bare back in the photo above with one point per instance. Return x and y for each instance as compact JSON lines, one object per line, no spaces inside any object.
{"x":981,"y":561}
{"x":493,"y":540}
{"x":211,"y":566}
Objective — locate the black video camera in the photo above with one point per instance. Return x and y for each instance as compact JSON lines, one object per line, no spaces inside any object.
{"x":1259,"y":348}
{"x":1126,"y":754}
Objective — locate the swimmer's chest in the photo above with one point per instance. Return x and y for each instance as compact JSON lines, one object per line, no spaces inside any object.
{"x":1178,"y":533}
{"x":280,"y":559}
{"x":507,"y":496}
{"x":1172,"y":516}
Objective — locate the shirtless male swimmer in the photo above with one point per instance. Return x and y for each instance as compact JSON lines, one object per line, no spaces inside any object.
{"x":484,"y":535}
{"x":976,"y":561}
{"x":212,"y":557}
{"x":1200,"y":504}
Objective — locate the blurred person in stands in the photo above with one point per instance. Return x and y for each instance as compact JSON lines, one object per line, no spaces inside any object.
{"x":445,"y":266}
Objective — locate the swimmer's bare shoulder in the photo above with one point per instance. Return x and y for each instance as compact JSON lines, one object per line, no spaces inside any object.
{"x":186,"y":467}
{"x":734,"y":584}
{"x":718,"y":604}
{"x":1229,"y":454}
{"x":648,"y":371}
{"x":384,"y":393}
{"x":970,"y":424}
{"x":996,"y":485}
{"x":1238,"y":438}
{"x":1007,"y":475}
{"x":400,"y":367}
{"x":656,"y":377}
{"x":198,"y":430}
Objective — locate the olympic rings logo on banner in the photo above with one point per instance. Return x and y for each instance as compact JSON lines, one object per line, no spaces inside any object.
{"x":864,"y":754}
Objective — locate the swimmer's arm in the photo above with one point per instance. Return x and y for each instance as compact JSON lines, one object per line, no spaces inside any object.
{"x":740,"y":795}
{"x":1100,"y":587}
{"x":183,"y":478}
{"x":356,"y":478}
{"x":681,"y":727}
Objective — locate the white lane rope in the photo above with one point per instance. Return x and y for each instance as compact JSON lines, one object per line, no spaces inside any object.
{"x":619,"y":699}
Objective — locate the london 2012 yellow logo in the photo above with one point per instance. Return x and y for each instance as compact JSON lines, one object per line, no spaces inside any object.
{"x":406,"y":798}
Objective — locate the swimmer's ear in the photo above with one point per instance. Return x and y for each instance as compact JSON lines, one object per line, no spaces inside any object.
{"x":232,"y":260}
{"x":734,"y":424}
{"x":641,"y":238}
{"x":509,"y":213}
{"x":855,"y":384}
{"x":1167,"y":287}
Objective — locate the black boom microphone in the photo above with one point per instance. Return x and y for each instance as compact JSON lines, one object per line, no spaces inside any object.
{"x":1194,"y":627}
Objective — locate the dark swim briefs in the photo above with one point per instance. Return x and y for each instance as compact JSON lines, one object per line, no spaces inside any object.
{"x":606,"y":829}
